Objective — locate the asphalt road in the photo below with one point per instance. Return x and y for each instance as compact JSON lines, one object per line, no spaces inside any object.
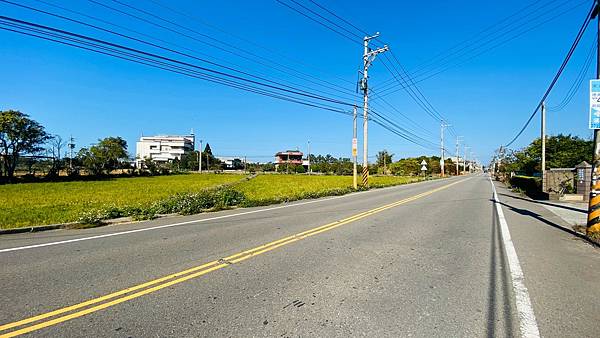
{"x":420,"y":260}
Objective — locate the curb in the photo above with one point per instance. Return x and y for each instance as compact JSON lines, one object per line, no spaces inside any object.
{"x":35,"y":228}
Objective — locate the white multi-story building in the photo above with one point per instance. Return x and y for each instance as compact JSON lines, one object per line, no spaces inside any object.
{"x":163,"y":148}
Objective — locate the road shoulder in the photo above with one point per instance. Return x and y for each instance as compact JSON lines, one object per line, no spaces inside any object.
{"x":561,"y":270}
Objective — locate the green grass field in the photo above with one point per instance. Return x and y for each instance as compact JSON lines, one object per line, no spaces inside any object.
{"x":48,"y":203}
{"x":293,"y":187}
{"x":30,"y":204}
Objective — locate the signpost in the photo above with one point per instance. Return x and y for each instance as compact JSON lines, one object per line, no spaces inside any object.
{"x":594,"y":104}
{"x":423,"y":167}
{"x":354,"y":153}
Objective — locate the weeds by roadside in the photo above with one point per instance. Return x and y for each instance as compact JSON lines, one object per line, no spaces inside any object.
{"x":219,"y":198}
{"x":236,"y":195}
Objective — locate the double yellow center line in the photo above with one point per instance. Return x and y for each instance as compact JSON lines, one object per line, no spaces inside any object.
{"x":103,"y":302}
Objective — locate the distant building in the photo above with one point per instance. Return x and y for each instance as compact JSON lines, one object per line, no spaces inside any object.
{"x":291,"y":157}
{"x":231,"y":163}
{"x":163,"y":148}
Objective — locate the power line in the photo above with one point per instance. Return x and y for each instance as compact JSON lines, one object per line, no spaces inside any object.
{"x":413,"y":94}
{"x":228,"y":45}
{"x":460,"y":60}
{"x":393,"y":129}
{"x":324,"y":18}
{"x":130,"y":54}
{"x":157,"y":61}
{"x":578,"y":80}
{"x":418,"y":96}
{"x":257,"y":60}
{"x":340,"y":18}
{"x":165,"y":63}
{"x":255,"y":44}
{"x":344,"y":35}
{"x":558,"y":73}
{"x":397,"y":129}
{"x":150,"y":44}
{"x":407,"y":132}
{"x":402,"y":115}
{"x":474,"y":40}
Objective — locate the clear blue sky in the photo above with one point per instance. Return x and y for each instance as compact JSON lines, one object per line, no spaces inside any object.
{"x":487,"y":99}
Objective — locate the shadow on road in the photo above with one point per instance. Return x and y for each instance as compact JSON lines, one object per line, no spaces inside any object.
{"x":539,"y":217}
{"x":545,"y":203}
{"x":498,"y":309}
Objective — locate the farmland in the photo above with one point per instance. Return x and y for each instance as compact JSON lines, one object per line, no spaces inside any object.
{"x":30,"y":204}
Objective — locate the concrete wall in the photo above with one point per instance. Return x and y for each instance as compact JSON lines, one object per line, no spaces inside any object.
{"x":554,"y":177}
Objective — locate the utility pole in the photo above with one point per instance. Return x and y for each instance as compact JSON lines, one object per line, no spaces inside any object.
{"x":384,"y":161}
{"x":457,"y":155}
{"x":543,"y":146}
{"x":354,"y":149}
{"x":500,"y":158}
{"x":442,"y":162}
{"x":71,"y":147}
{"x":309,"y":157}
{"x":593,"y":223}
{"x":200,"y":158}
{"x":465,"y":160}
{"x":368,"y":58}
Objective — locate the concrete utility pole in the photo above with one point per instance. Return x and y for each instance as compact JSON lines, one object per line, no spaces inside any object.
{"x":593,"y":223}
{"x":465,"y":160}
{"x":457,"y":155}
{"x":368,"y":58}
{"x":543,"y":146}
{"x":354,"y":149}
{"x":71,"y":147}
{"x":308,"y":157}
{"x":543,"y":137}
{"x":442,"y":160}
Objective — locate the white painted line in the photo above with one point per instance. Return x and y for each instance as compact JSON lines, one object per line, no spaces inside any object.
{"x":527,"y":322}
{"x":191,"y":222}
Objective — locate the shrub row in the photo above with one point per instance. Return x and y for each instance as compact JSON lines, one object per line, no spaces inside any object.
{"x":223,"y":197}
{"x":182,"y":203}
{"x":532,"y":186}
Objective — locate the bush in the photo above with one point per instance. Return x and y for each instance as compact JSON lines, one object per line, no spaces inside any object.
{"x":193,"y":203}
{"x":532,"y":186}
{"x":92,"y":217}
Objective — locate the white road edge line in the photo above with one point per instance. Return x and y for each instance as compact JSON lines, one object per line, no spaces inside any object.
{"x":527,"y":322}
{"x":190,"y":222}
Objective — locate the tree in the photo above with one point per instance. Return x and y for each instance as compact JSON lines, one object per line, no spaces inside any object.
{"x":384,"y":158}
{"x":562,"y":151}
{"x":18,"y":135}
{"x":207,"y":149}
{"x":150,"y":165}
{"x":55,"y":147}
{"x":189,"y":161}
{"x":104,"y":156}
